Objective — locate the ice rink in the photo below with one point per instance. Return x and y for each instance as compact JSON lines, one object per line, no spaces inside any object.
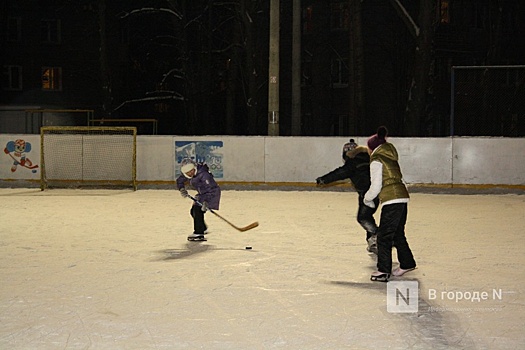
{"x":102,"y":269}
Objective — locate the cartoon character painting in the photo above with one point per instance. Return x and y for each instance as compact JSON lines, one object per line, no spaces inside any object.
{"x":18,"y":150}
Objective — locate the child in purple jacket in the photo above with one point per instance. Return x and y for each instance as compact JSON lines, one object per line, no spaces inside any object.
{"x":209,"y":194}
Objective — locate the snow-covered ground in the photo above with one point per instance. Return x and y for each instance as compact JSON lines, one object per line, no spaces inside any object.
{"x":101,"y":269}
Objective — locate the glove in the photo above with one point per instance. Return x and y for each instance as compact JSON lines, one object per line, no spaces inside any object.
{"x":319,"y":181}
{"x":369,"y":204}
{"x":204,"y":206}
{"x":184,"y":193}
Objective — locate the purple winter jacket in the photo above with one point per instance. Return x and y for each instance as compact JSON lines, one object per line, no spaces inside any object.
{"x":204,"y":183}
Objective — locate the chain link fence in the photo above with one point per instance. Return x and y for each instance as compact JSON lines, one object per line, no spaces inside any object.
{"x":488,"y":101}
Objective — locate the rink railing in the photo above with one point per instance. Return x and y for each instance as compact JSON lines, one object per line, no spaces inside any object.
{"x":297,"y":161}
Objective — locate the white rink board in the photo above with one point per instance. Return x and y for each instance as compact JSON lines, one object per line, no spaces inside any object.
{"x":155,"y":155}
{"x":482,"y":160}
{"x":262,"y":159}
{"x":425,"y":161}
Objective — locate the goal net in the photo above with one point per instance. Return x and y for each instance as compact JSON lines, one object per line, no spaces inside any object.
{"x":79,"y":156}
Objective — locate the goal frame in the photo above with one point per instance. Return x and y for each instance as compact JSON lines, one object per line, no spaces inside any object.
{"x":86,"y":130}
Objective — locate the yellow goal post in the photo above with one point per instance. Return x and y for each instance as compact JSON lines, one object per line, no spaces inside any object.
{"x":88,"y":156}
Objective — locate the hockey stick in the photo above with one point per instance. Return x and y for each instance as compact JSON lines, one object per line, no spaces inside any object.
{"x":241,"y":229}
{"x":18,"y":162}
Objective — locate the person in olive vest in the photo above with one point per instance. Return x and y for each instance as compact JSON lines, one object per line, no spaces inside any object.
{"x":386,"y":180}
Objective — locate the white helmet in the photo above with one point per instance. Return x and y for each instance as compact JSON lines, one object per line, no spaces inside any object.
{"x":187,"y":165}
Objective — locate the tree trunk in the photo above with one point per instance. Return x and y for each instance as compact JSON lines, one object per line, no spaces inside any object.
{"x":356,"y":118}
{"x":190,"y":104}
{"x":296,"y":69}
{"x":417,"y":101}
{"x":234,"y":75}
{"x":273,"y":70}
{"x":104,"y":63}
{"x":248,"y":12}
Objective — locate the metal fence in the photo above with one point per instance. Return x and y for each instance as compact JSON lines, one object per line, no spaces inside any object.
{"x":487,"y":101}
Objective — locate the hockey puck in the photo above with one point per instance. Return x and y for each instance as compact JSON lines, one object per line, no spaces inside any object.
{"x":248,"y":247}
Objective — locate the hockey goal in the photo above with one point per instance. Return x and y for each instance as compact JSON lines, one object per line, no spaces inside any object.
{"x":80,"y":156}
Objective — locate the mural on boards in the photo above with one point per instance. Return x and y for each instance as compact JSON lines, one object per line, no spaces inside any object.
{"x":208,"y":152}
{"x":18,"y":151}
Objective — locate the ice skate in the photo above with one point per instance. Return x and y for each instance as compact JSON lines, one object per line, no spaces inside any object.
{"x":372,"y":244}
{"x":197,"y":237}
{"x":379,"y":276}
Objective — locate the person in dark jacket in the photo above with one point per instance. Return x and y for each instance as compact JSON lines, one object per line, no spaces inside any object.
{"x":209,"y":194}
{"x":357,"y":168}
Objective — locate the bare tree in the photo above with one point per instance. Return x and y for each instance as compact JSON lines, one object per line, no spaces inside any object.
{"x":104,"y":63}
{"x":423,"y":34}
{"x":356,"y":68}
{"x":245,"y":65}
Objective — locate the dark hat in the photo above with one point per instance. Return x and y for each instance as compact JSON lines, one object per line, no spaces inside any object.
{"x":377,"y":139}
{"x":349,"y":146}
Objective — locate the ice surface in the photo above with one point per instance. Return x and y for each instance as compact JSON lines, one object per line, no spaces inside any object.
{"x":101,"y":269}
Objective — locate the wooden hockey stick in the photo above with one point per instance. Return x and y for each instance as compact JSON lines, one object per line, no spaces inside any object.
{"x":241,"y":229}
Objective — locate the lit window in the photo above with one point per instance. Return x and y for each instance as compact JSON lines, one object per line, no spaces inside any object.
{"x":444,"y":11}
{"x":12,"y":78}
{"x":52,"y":78}
{"x":50,"y":31}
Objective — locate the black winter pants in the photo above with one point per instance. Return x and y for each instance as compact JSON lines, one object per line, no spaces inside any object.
{"x":199,"y":226}
{"x":391,"y":232}
{"x":365,"y":216}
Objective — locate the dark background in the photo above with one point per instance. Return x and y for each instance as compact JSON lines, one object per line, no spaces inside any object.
{"x":201,"y":67}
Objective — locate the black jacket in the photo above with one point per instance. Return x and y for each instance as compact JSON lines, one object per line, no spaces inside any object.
{"x":356,"y":168}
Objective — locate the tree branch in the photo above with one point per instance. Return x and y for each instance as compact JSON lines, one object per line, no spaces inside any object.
{"x":412,"y":27}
